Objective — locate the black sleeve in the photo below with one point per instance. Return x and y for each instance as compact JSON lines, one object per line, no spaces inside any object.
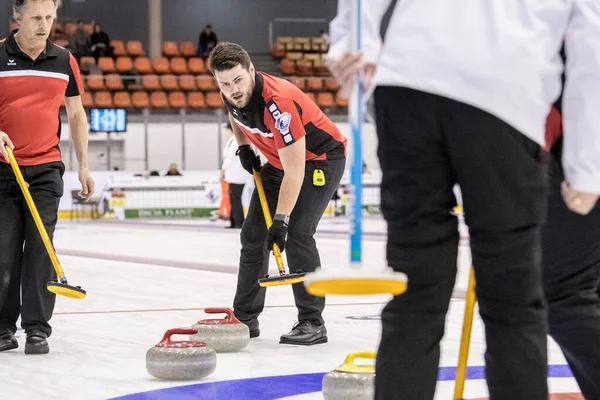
{"x":75,"y":86}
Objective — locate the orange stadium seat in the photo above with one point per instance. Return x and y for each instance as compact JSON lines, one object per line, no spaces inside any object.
{"x":161,"y":65}
{"x":299,"y":82}
{"x":196,"y":66}
{"x":87,"y":60}
{"x":206,"y":83}
{"x":124,"y":64}
{"x":143,"y":65}
{"x":114,"y":82}
{"x":134,"y":48}
{"x":140,"y":100}
{"x":118,"y":48}
{"x":196,"y":100}
{"x":122,"y":100}
{"x":187,"y":82}
{"x":95,"y":82}
{"x":314,"y":83}
{"x":170,"y":49}
{"x":107,"y":65}
{"x":177,"y":100}
{"x":151,"y":82}
{"x":187,"y":49}
{"x":103,"y":100}
{"x":304,"y":67}
{"x":278,"y":50}
{"x":213,"y":100}
{"x":331,"y":84}
{"x":179,"y":65}
{"x":287,"y":67}
{"x":159,"y":100}
{"x":169,"y":82}
{"x":325,"y":99}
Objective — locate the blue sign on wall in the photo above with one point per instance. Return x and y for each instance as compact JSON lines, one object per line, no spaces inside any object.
{"x":108,"y":120}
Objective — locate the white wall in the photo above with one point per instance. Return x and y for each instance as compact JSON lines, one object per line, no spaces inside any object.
{"x":165,"y":146}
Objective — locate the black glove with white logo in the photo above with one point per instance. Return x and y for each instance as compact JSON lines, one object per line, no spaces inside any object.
{"x":248,"y":158}
{"x":278,"y":232}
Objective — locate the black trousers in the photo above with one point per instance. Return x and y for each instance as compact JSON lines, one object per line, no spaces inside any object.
{"x":571,"y":268}
{"x":236,"y":216}
{"x":301,"y":248}
{"x":428,"y":143}
{"x":25,"y":267}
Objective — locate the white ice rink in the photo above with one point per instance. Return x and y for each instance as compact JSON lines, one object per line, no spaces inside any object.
{"x":145,"y":277}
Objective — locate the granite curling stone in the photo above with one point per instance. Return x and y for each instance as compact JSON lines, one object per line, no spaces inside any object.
{"x":351,"y":381}
{"x":180,"y":360}
{"x":223,"y":335}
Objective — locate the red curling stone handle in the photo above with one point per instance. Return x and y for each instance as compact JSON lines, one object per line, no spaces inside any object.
{"x":227,"y":311}
{"x":177,"y":331}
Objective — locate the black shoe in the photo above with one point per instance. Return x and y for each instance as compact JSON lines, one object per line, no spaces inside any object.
{"x":36,"y":342}
{"x":8,"y":341}
{"x":253,"y":326}
{"x":305,"y":333}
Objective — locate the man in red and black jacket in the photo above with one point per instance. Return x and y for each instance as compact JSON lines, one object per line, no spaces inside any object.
{"x":300,"y":143}
{"x":36,"y":78}
{"x":571,"y":270}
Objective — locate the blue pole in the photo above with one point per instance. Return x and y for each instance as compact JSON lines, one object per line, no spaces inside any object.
{"x":356,"y":117}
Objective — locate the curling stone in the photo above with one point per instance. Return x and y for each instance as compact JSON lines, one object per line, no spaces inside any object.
{"x":180,"y":360}
{"x":223,"y":335}
{"x":351,"y":381}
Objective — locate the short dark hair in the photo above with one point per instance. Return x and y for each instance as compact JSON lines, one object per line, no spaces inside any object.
{"x":19,"y":5}
{"x":227,"y":55}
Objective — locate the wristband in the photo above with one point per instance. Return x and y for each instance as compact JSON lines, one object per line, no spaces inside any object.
{"x":282,"y":217}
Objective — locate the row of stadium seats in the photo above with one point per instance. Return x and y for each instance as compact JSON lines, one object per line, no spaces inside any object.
{"x":293,"y":64}
{"x":179,"y":100}
{"x":188,"y":82}
{"x":144,"y":65}
{"x":286,"y":44}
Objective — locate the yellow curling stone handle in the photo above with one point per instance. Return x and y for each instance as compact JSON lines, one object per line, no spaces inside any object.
{"x":350,"y":366}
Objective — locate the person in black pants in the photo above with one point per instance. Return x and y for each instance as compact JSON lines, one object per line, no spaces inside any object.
{"x":37,"y":78}
{"x":502,"y":178}
{"x":306,"y":158}
{"x":28,"y":265}
{"x":571,"y":269}
{"x":460,"y":96}
{"x":301,"y":249}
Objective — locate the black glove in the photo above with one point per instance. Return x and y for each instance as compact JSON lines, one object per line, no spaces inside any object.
{"x":248,"y":158}
{"x":277,"y":234}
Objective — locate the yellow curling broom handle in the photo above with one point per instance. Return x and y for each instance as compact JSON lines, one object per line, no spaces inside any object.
{"x":465,"y":340}
{"x":35,"y":214}
{"x":267,"y":214}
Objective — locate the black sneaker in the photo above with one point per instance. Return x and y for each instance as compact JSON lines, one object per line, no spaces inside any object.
{"x":36,"y":342}
{"x":8,"y":341}
{"x":305,"y":333}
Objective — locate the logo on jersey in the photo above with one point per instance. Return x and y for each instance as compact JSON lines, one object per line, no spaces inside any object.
{"x":282,"y":122}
